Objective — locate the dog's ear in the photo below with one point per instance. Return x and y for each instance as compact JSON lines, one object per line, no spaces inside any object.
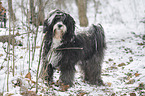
{"x":45,"y":25}
{"x":70,"y":23}
{"x":49,"y":21}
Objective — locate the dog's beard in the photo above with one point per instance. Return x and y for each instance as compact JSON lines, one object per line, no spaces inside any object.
{"x":59,"y":30}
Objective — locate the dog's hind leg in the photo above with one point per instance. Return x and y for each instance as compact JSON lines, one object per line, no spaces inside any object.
{"x":92,"y":71}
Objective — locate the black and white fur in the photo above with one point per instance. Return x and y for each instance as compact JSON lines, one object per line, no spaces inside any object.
{"x":63,"y":48}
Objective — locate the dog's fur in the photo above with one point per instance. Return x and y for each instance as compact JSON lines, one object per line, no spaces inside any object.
{"x":63,"y":49}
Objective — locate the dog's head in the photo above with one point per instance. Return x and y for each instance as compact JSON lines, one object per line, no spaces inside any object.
{"x":59,"y":25}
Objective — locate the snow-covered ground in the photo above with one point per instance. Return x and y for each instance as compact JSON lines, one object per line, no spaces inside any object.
{"x":124,"y":64}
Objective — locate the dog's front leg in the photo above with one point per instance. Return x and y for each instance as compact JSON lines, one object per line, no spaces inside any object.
{"x":50,"y":71}
{"x":67,"y":74}
{"x":47,"y":73}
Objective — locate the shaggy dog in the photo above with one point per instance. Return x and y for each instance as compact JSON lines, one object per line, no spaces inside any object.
{"x":63,"y":48}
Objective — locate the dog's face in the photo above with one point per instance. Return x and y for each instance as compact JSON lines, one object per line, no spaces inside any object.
{"x":59,"y":29}
{"x":59,"y":25}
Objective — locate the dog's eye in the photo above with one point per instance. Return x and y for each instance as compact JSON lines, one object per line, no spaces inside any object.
{"x":58,"y":16}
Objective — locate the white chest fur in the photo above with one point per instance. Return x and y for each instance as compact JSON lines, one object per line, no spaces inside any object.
{"x":53,"y":56}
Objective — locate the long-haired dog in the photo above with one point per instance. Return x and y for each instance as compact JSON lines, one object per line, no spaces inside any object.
{"x":63,"y":48}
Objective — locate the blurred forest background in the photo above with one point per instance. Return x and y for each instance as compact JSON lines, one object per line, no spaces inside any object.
{"x":35,"y":11}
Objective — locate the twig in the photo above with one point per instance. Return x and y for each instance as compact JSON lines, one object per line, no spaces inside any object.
{"x":27,"y":27}
{"x":13,"y":44}
{"x":34,"y":46}
{"x":70,"y":48}
{"x":6,"y":51}
{"x":22,"y":8}
{"x":39,"y":65}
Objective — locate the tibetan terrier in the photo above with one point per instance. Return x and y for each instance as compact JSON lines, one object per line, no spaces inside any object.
{"x":64,"y":49}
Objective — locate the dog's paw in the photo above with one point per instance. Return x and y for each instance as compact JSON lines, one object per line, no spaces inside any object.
{"x":64,"y":87}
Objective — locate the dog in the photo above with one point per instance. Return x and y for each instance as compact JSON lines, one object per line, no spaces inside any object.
{"x":64,"y":49}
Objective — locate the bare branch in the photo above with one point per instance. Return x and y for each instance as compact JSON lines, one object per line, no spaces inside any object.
{"x":70,"y":48}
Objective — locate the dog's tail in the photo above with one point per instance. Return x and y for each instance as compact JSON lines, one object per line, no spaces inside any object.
{"x":100,"y":38}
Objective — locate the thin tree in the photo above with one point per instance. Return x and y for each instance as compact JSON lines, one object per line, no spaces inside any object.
{"x":10,"y":9}
{"x":32,"y":12}
{"x":82,"y":9}
{"x":37,"y":18}
{"x":41,"y":13}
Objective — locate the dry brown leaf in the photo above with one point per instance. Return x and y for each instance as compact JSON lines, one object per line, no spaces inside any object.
{"x":122,"y":64}
{"x":28,"y":75}
{"x":37,"y":46}
{"x":64,"y":87}
{"x":110,"y":59}
{"x":1,"y":55}
{"x":9,"y":94}
{"x":109,"y":84}
{"x":33,"y":81}
{"x":137,"y":74}
{"x":29,"y":93}
{"x":18,"y":34}
{"x":81,"y":94}
{"x":132,"y":94}
{"x":130,"y":81}
{"x":113,"y":94}
{"x":21,"y":57}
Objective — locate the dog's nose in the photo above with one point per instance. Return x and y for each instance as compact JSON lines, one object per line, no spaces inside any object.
{"x":59,"y":25}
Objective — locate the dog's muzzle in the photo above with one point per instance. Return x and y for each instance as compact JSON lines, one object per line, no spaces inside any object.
{"x":59,"y":30}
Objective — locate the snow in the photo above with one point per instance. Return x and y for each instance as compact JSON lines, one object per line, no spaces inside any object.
{"x":124,"y":56}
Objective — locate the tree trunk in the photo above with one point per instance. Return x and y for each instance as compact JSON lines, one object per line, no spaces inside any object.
{"x":32,"y":12}
{"x":82,"y":8}
{"x":10,"y":9}
{"x":41,"y":13}
{"x":37,"y":18}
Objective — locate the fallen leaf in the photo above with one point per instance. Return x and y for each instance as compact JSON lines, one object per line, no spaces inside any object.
{"x":37,"y":46}
{"x":122,"y":64}
{"x":1,"y":55}
{"x":29,"y":93}
{"x":1,"y":67}
{"x":81,"y":94}
{"x":18,"y":34}
{"x":110,"y":59}
{"x":130,"y":59}
{"x":9,"y":94}
{"x":113,"y":94}
{"x":21,"y":57}
{"x":130,"y":81}
{"x":112,"y":68}
{"x":109,"y":84}
{"x":33,"y":81}
{"x":132,"y":94}
{"x":28,"y":76}
{"x":64,"y":87}
{"x":137,"y":74}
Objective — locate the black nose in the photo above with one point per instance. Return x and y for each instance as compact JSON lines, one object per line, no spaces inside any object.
{"x":59,"y":25}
